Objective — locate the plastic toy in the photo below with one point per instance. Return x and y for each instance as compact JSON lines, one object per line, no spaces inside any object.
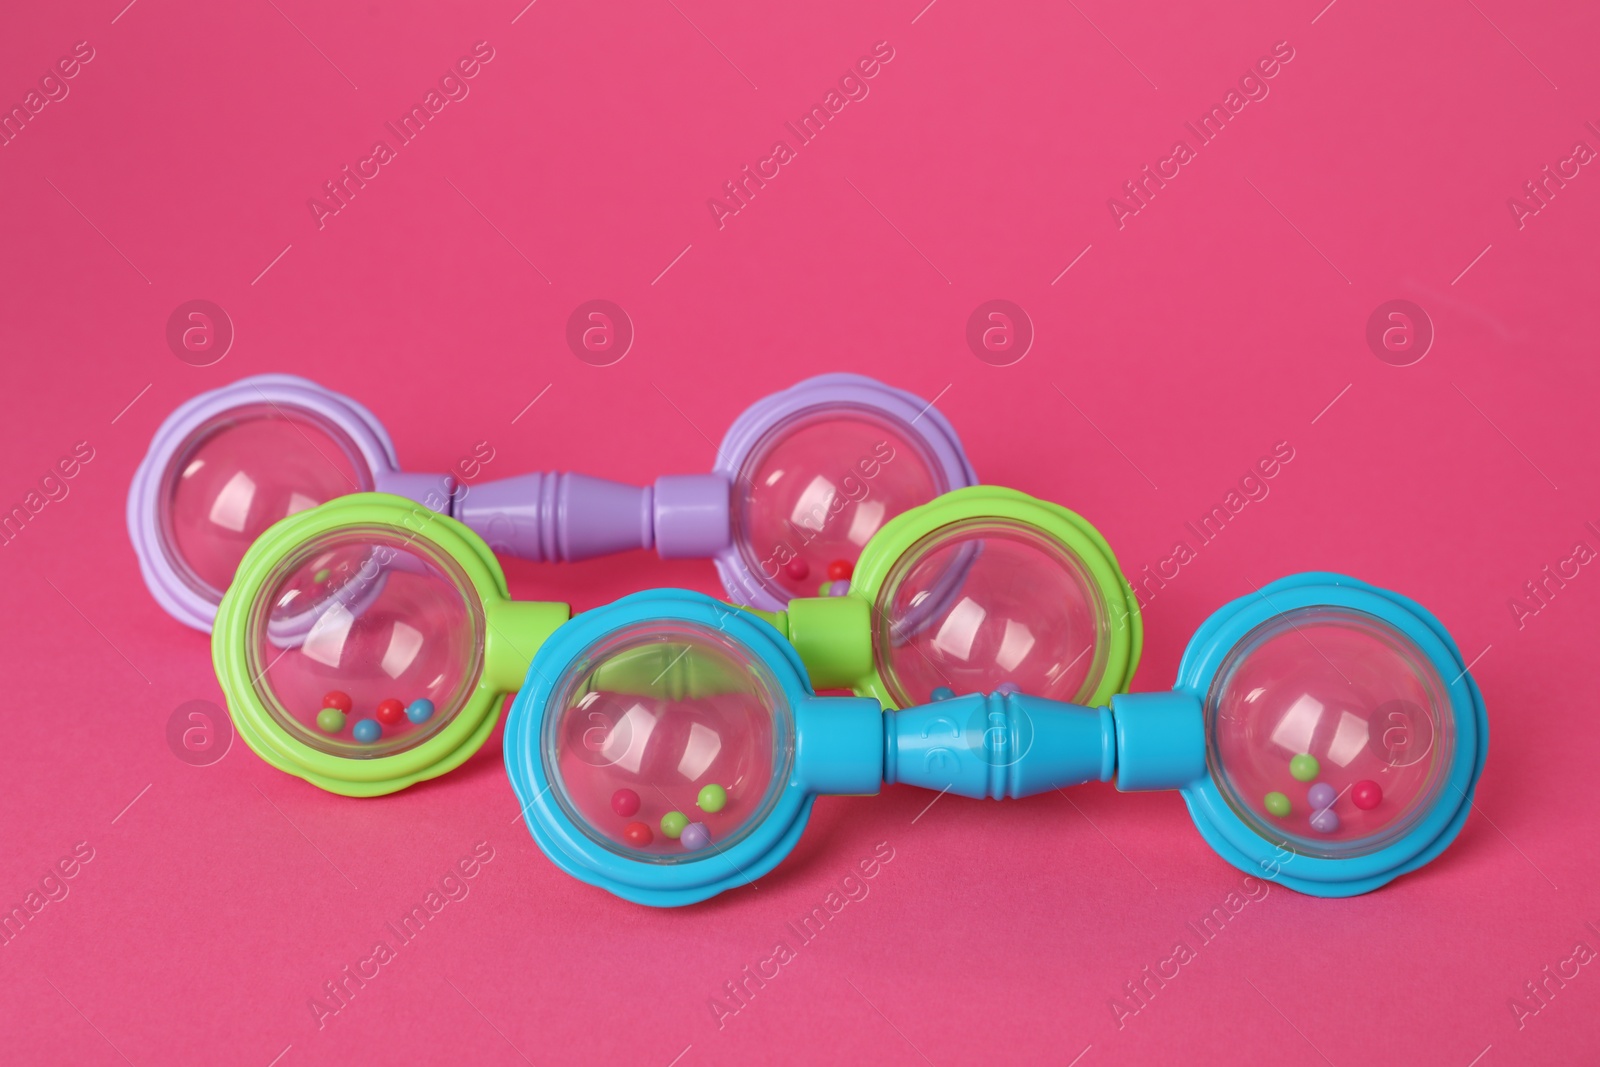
{"x":803,"y":478}
{"x":634,"y":710}
{"x":368,"y":644}
{"x":983,"y":589}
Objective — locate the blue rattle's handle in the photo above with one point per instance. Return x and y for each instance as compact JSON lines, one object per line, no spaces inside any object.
{"x":1011,"y":745}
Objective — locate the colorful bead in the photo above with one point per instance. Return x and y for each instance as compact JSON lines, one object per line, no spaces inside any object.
{"x":625,"y":802}
{"x":838,"y":588}
{"x":330,"y":720}
{"x":1007,"y":688}
{"x":672,"y":824}
{"x":1325,"y":821}
{"x":1366,"y":795}
{"x":337,"y":699}
{"x":1304,"y":767}
{"x":1277,"y":804}
{"x":797,"y":569}
{"x":822,"y":590}
{"x":367,"y":731}
{"x":1321,"y":795}
{"x":321,"y":576}
{"x":841,"y":568}
{"x":942,"y":692}
{"x":637,"y":834}
{"x":713,"y":798}
{"x":420,"y":710}
{"x":391,"y":711}
{"x":695,"y":836}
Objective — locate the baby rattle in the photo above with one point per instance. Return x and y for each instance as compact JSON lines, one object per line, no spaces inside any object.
{"x":1324,"y":733}
{"x":803,"y":478}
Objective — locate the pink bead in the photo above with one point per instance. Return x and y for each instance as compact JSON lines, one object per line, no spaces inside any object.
{"x":625,"y":802}
{"x":1366,"y":795}
{"x":797,"y":568}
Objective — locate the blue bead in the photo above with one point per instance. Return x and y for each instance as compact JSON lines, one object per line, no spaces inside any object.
{"x":1325,"y":821}
{"x":943,"y":692}
{"x":420,"y":710}
{"x":367,"y":731}
{"x":1321,"y":796}
{"x":695,"y":836}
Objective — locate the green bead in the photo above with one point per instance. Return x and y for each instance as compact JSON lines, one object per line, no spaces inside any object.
{"x":673,"y":822}
{"x":822,"y":590}
{"x":1304,"y":767}
{"x":713,"y":798}
{"x":1277,"y":804}
{"x":330,"y":720}
{"x":321,"y":576}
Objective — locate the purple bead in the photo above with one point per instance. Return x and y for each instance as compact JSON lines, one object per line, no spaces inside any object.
{"x":1325,"y":821}
{"x":695,"y":836}
{"x":1321,"y":796}
{"x":1008,"y":687}
{"x":839,"y":588}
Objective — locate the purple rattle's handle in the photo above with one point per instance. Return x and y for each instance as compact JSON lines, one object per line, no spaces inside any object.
{"x":559,"y":517}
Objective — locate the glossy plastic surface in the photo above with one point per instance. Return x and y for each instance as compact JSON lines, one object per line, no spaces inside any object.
{"x":678,"y":716}
{"x":984,"y":602}
{"x":377,"y":616}
{"x":818,"y":485}
{"x":1315,"y":701}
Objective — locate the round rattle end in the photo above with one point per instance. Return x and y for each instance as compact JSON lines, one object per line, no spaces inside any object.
{"x":357,"y":636}
{"x":989,"y":602}
{"x":240,"y":472}
{"x":659,"y":719}
{"x":1339,"y":707}
{"x":818,"y":484}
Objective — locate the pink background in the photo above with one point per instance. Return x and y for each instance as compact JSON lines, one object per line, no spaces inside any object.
{"x":1226,"y":316}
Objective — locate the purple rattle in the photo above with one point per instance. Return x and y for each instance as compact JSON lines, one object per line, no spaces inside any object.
{"x":803,"y":478}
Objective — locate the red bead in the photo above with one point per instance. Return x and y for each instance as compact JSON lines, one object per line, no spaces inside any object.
{"x":391,"y":711}
{"x":840,"y":570}
{"x":1366,"y":795}
{"x":337,"y":699}
{"x":637,"y":834}
{"x":625,"y":802}
{"x":797,"y":569}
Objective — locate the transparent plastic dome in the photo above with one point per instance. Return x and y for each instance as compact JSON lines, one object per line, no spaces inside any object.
{"x":818,"y":485}
{"x":667,"y":742}
{"x":1328,"y":731}
{"x":377,"y":625}
{"x":984,"y":602}
{"x":241,"y":472}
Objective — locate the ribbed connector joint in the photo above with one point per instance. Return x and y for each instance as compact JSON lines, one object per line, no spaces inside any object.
{"x":557,"y":517}
{"x":997,"y":746}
